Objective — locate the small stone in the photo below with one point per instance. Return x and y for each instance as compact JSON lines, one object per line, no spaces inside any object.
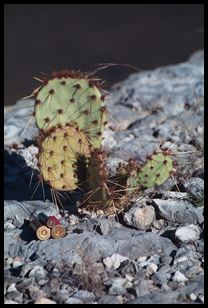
{"x":192,"y":296}
{"x":114,"y":261}
{"x":9,"y":260}
{"x":141,"y":259}
{"x":151,"y":268}
{"x":8,"y":301}
{"x":179,"y":277}
{"x":140,"y":217}
{"x":16,"y":263}
{"x":188,"y":233}
{"x":201,"y":298}
{"x":129,"y":277}
{"x":9,"y":226}
{"x":12,"y":288}
{"x":44,"y":300}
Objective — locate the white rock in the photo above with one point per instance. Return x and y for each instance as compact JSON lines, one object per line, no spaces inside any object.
{"x":129,"y":277}
{"x":9,"y":301}
{"x":141,"y":259}
{"x":188,"y":233}
{"x":44,"y":300}
{"x":152,"y":268}
{"x":9,"y":261}
{"x":114,"y":261}
{"x":179,"y":277}
{"x":201,"y":298}
{"x":12,"y":288}
{"x":192,"y":296}
{"x":16,"y":263}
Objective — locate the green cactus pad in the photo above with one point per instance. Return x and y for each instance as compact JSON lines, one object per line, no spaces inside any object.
{"x":156,"y":170}
{"x":65,"y":99}
{"x":59,"y":153}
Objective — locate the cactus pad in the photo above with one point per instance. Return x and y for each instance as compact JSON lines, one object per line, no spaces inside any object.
{"x":156,"y":170}
{"x":60,"y":151}
{"x":71,"y":98}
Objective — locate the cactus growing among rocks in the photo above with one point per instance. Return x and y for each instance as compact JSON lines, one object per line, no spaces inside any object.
{"x":105,"y":194}
{"x":60,"y":151}
{"x":73,"y":98}
{"x":112,"y":194}
{"x":156,"y":170}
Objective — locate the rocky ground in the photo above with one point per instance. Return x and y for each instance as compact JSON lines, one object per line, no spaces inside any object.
{"x":151,"y":253}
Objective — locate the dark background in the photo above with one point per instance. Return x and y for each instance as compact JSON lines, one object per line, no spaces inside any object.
{"x":47,"y":37}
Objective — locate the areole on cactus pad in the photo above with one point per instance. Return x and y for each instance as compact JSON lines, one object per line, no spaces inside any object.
{"x":71,"y":98}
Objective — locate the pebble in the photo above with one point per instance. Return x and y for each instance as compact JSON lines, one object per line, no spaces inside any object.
{"x":141,"y":259}
{"x":188,"y":234}
{"x":44,"y":300}
{"x":9,"y":301}
{"x":9,"y":260}
{"x":179,"y":277}
{"x":12,"y":288}
{"x":151,"y":268}
{"x":192,"y":296}
{"x":114,"y":261}
{"x":16,"y":263}
{"x":140,"y":217}
{"x":201,"y":298}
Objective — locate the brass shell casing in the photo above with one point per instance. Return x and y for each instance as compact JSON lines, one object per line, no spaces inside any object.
{"x":42,"y":232}
{"x":58,"y":231}
{"x":52,"y":221}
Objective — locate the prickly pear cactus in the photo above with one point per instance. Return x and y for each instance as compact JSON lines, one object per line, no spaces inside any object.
{"x":156,"y":170}
{"x":60,"y":152}
{"x":71,"y":98}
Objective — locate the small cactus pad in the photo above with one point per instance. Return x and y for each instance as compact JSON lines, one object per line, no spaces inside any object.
{"x":59,"y":154}
{"x":64,"y":99}
{"x":156,"y":170}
